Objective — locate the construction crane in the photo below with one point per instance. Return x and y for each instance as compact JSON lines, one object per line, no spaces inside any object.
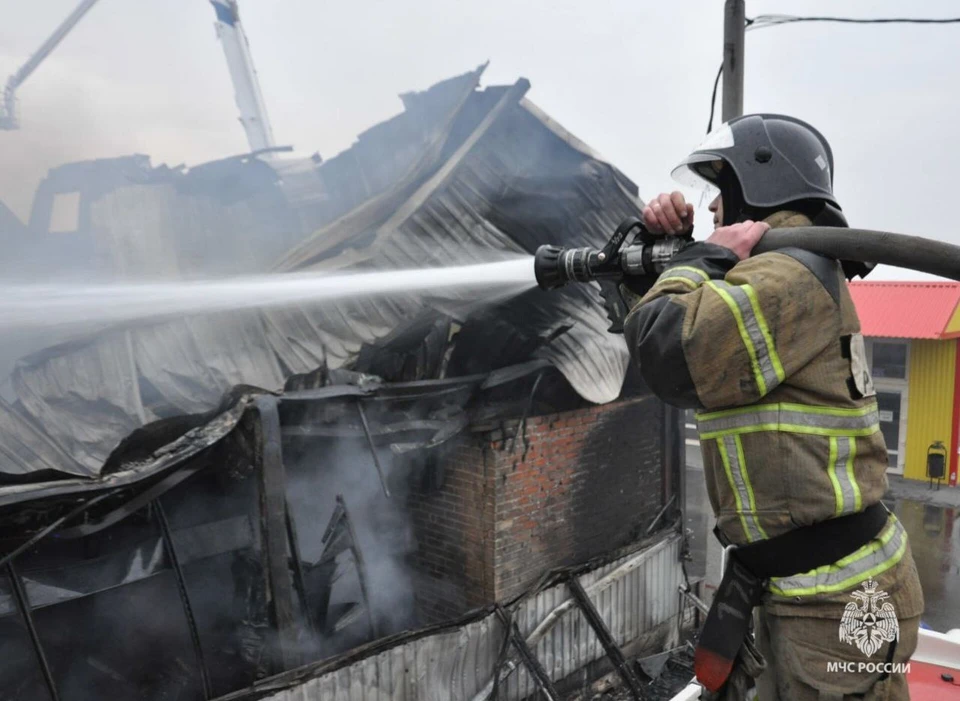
{"x":253,"y":110}
{"x":246,"y":87}
{"x":8,"y":107}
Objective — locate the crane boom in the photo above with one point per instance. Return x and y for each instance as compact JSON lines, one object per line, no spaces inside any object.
{"x":8,"y":108}
{"x":246,"y":86}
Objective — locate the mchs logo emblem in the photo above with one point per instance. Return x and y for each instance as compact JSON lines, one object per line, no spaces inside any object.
{"x":871,"y":622}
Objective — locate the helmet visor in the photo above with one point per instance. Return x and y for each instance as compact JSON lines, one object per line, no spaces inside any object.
{"x":698,"y":172}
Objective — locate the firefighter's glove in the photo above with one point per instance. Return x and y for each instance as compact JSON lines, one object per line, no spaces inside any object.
{"x":619,"y":300}
{"x":632,"y":289}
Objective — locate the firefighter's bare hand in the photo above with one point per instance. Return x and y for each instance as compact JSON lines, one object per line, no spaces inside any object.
{"x":668,"y":214}
{"x":739,"y":238}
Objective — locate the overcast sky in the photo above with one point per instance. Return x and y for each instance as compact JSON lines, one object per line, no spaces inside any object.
{"x":631,"y":78}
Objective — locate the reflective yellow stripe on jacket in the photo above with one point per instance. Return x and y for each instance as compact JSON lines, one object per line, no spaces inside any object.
{"x":689,"y":276}
{"x":872,"y":559}
{"x":743,"y":304}
{"x":734,"y":464}
{"x":841,"y":426}
{"x":840,"y":470}
{"x":791,"y":418}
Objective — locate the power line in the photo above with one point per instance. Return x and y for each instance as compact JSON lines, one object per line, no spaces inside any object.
{"x":713,"y":98}
{"x":767,"y":21}
{"x":764,"y":21}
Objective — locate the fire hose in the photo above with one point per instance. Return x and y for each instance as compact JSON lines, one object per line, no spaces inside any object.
{"x":649,"y":254}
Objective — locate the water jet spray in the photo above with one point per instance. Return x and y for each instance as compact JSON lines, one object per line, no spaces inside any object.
{"x":46,"y":305}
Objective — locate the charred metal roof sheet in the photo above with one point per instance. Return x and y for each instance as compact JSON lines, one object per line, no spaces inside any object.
{"x":468,"y":172}
{"x":25,"y":449}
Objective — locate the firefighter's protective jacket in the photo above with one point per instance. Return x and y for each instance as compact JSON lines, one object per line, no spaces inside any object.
{"x":769,"y":353}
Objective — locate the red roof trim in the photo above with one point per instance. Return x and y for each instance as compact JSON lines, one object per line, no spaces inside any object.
{"x":892,"y":309}
{"x":950,"y":284}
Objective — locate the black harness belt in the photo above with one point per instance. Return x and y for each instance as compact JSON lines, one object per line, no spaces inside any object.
{"x":748,"y":568}
{"x":805,"y":549}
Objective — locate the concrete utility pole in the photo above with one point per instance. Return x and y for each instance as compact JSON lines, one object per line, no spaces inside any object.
{"x":734,"y":24}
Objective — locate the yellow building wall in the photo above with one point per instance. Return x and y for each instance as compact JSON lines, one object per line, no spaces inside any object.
{"x":954,"y":325}
{"x":930,"y":402}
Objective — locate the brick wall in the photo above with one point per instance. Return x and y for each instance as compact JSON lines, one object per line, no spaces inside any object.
{"x":590,"y":483}
{"x":454,"y":559}
{"x":587,"y":482}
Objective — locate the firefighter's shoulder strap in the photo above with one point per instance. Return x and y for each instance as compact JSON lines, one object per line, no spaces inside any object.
{"x":749,"y":566}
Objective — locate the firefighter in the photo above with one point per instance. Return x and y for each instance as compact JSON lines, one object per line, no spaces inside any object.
{"x":767,"y":349}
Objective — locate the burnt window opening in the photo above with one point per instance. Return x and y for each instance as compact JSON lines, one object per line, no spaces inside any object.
{"x":119,"y":611}
{"x":101,"y":604}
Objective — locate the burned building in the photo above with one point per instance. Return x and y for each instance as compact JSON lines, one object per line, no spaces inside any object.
{"x":241,"y":503}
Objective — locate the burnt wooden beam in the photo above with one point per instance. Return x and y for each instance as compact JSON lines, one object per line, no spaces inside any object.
{"x":530,"y":661}
{"x":660,"y":513}
{"x":373,"y":448}
{"x":135,"y":503}
{"x":40,"y":535}
{"x":23,"y":605}
{"x":361,"y":568}
{"x":609,"y":644}
{"x":502,"y":656}
{"x":171,"y":551}
{"x":273,"y":530}
{"x":340,"y":430}
{"x":298,"y":578}
{"x":389,"y":391}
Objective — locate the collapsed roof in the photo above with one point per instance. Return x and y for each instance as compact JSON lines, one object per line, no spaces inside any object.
{"x":459,"y":176}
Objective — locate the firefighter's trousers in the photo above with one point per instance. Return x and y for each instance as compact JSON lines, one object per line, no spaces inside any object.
{"x":806,"y":661}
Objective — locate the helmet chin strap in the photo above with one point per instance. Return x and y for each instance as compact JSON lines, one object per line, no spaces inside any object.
{"x":734,"y":207}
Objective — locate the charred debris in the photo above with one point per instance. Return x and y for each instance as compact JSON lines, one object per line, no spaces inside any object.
{"x":192,"y":507}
